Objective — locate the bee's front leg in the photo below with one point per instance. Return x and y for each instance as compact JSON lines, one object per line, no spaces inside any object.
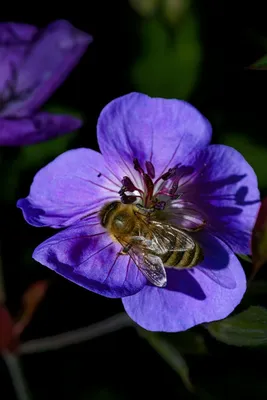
{"x":124,"y":251}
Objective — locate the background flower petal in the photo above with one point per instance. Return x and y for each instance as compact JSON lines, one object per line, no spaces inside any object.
{"x":50,"y":58}
{"x":85,"y":254}
{"x":151,"y":129}
{"x":226,"y":190}
{"x":14,"y":41}
{"x":42,"y":126}
{"x":75,"y":184}
{"x":190,"y":298}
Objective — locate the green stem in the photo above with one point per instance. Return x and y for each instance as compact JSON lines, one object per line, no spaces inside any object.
{"x":18,"y":380}
{"x":109,"y":325}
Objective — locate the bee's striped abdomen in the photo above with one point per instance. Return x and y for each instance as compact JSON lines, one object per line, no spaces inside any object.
{"x":183,"y":259}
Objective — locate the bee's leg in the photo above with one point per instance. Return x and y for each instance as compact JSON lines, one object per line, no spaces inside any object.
{"x":124,"y":251}
{"x":141,"y":240}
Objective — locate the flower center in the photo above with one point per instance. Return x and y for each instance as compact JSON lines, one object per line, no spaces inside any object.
{"x":152,"y":189}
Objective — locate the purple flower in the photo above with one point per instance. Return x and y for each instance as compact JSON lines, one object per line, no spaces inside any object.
{"x":159,"y":150}
{"x":33,"y":63}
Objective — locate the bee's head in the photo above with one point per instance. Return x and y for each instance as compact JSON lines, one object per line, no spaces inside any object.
{"x":124,"y":221}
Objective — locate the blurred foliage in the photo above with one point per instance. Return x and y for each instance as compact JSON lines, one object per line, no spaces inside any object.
{"x":261,"y":64}
{"x":249,"y":328}
{"x":170,"y":10}
{"x":170,"y":354}
{"x":169,"y":62}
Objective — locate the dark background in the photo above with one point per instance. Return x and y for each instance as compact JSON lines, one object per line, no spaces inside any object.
{"x":219,"y":41}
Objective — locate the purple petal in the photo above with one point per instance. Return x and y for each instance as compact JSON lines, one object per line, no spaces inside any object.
{"x":12,"y":33}
{"x":156,"y":130}
{"x":75,"y":184}
{"x":86,"y":255}
{"x":191,"y":298}
{"x":225,"y":189}
{"x":14,"y":42}
{"x":50,"y":58}
{"x":41,"y":127}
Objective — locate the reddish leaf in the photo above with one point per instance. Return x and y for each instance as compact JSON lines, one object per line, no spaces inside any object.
{"x":259,"y":239}
{"x":30,"y":301}
{"x":7,"y":339}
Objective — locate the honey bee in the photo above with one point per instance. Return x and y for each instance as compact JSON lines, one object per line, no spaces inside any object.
{"x":150,"y":243}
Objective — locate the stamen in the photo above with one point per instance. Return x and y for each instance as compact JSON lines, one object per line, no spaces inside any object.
{"x":173,"y":188}
{"x":128,"y":184}
{"x":169,"y":174}
{"x":150,"y":169}
{"x":149,"y":188}
{"x":166,"y":193}
{"x":128,"y":199}
{"x":137,"y":166}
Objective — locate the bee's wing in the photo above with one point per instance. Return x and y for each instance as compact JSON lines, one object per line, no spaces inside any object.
{"x":150,"y":265}
{"x":166,"y":238}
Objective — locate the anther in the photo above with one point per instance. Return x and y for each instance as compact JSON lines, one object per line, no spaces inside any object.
{"x":127,"y":199}
{"x":128,"y":184}
{"x":150,"y":169}
{"x":169,"y":174}
{"x":137,"y":166}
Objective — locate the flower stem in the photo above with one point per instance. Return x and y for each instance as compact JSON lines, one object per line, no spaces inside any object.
{"x":104,"y":327}
{"x":18,"y":380}
{"x":170,"y":354}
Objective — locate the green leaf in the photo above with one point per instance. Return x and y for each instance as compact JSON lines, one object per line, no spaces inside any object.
{"x":173,"y":10}
{"x":260,"y":64}
{"x":255,"y":154}
{"x":188,"y":342}
{"x":249,"y":328}
{"x":170,"y":354}
{"x":257,"y":288}
{"x":145,"y":8}
{"x":168,"y":66}
{"x":245,"y":258}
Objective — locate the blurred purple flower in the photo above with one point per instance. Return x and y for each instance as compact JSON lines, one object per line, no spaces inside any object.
{"x":33,"y":63}
{"x":195,"y":182}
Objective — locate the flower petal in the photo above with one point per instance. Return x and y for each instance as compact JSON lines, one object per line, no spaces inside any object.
{"x":156,"y":130}
{"x":50,"y":58}
{"x":190,"y":298}
{"x":224,"y":187}
{"x":41,"y":127}
{"x":75,"y":184}
{"x":14,"y":41}
{"x":12,"y":33}
{"x":86,"y":255}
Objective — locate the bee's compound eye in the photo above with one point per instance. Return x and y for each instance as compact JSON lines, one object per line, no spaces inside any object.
{"x":122,"y":223}
{"x":119,"y":223}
